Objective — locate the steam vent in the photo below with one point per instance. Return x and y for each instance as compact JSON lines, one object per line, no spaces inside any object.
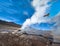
{"x":7,"y":38}
{"x":29,"y":22}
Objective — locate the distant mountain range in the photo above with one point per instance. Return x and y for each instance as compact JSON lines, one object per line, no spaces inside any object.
{"x":9,"y":23}
{"x":9,"y":26}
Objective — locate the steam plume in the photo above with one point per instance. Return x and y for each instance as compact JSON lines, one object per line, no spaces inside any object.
{"x":41,"y":7}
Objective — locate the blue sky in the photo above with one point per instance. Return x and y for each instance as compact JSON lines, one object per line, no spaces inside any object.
{"x":14,"y":10}
{"x":19,"y":10}
{"x":55,"y":8}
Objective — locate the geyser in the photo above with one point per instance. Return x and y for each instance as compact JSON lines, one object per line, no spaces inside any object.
{"x":41,"y":8}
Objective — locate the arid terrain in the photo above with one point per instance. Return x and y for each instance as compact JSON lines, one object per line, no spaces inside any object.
{"x":8,"y":26}
{"x":17,"y":39}
{"x":8,"y":39}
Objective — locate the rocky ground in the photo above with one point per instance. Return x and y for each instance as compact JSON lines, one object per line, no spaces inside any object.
{"x":17,"y":39}
{"x":9,"y":39}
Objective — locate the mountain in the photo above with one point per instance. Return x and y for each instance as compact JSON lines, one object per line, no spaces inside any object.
{"x":9,"y":23}
{"x":9,"y":26}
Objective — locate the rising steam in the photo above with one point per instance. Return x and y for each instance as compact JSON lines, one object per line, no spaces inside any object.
{"x":41,"y":6}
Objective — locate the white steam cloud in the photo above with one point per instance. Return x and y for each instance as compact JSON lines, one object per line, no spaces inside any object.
{"x":41,"y":7}
{"x":56,"y":26}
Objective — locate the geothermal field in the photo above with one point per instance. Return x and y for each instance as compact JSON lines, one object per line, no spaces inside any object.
{"x":11,"y":35}
{"x":29,"y":22}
